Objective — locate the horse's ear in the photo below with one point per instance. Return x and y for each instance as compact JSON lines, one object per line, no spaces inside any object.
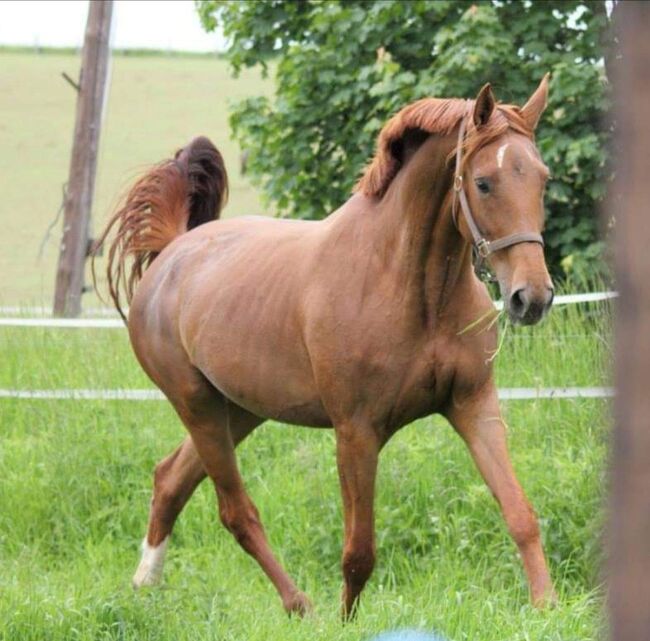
{"x":483,"y":105}
{"x":534,"y":108}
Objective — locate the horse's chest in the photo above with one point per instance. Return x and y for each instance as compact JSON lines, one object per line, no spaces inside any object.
{"x":423,"y":386}
{"x":433,"y":375}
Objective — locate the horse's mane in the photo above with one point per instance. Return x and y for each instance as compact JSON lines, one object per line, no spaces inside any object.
{"x":433,"y":116}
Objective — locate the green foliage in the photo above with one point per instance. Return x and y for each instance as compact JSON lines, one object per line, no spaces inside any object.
{"x":345,"y":66}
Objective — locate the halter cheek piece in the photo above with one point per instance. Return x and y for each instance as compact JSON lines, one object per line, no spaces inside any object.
{"x":482,"y":246}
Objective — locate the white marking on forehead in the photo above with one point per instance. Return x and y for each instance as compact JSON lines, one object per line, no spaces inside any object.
{"x":501,"y":152}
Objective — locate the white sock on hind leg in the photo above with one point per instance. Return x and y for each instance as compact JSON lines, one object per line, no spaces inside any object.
{"x":150,"y":570}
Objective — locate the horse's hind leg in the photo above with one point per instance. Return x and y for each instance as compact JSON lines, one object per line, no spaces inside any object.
{"x":478,"y":421}
{"x":175,"y":479}
{"x":208,"y":417}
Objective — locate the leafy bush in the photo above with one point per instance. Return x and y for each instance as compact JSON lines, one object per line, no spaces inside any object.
{"x":343,"y":67}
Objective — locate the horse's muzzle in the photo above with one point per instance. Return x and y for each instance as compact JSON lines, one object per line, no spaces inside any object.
{"x":528,"y":305}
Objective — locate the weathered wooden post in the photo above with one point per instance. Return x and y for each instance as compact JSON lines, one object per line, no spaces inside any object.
{"x":629,"y":523}
{"x":83,"y":163}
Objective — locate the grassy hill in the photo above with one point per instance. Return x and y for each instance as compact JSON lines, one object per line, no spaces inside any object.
{"x":155,"y":104}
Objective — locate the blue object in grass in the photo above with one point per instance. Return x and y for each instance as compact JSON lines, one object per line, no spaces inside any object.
{"x":408,"y":635}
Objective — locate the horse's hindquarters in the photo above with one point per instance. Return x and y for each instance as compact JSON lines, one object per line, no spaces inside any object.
{"x":240,"y":320}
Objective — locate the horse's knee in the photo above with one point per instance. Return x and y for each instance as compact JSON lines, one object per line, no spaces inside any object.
{"x":523,"y":526}
{"x":358,"y":564}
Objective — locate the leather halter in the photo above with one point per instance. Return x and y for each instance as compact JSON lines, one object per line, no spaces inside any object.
{"x":482,"y":246}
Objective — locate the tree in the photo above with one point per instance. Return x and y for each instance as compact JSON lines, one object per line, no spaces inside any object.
{"x":343,"y":67}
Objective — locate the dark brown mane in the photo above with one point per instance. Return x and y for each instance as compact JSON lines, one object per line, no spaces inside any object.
{"x":433,"y":116}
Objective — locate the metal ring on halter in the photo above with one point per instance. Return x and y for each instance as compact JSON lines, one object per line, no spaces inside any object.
{"x":483,"y":248}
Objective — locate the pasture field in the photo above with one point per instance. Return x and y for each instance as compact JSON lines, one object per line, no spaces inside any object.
{"x":76,"y":480}
{"x":155,"y":105}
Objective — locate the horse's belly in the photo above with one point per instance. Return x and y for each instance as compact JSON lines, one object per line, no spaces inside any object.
{"x":269,"y":397}
{"x":264,"y":370}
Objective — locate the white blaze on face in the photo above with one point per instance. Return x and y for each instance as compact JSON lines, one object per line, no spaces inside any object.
{"x":150,"y":570}
{"x":501,"y":152}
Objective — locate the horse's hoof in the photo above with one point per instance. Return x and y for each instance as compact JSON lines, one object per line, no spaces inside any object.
{"x":150,"y":570}
{"x":298,"y":604}
{"x":546,"y":599}
{"x":348,"y":614}
{"x":146,"y":576}
{"x":144,"y":579}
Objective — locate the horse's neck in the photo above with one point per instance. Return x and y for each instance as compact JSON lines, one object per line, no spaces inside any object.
{"x":431,"y":257}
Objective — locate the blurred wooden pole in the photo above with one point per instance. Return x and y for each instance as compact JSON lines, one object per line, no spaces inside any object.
{"x":629,"y":523}
{"x":83,"y":163}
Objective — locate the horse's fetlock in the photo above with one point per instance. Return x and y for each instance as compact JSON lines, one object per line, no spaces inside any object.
{"x":297,"y":604}
{"x":358,"y":564}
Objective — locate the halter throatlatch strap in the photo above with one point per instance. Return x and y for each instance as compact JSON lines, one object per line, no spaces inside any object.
{"x":482,"y":245}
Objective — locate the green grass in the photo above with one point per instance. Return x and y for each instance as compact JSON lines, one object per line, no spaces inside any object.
{"x":76,"y":480}
{"x":76,"y":476}
{"x":155,"y":105}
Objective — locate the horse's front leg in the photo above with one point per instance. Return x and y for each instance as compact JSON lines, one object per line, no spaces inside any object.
{"x":357,"y":450}
{"x":478,"y":420}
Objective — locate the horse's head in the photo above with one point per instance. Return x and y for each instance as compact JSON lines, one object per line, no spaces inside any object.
{"x":503,"y":179}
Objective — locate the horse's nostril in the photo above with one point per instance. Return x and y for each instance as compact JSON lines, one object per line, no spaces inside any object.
{"x":528,"y":305}
{"x":551,"y":296}
{"x":518,"y":302}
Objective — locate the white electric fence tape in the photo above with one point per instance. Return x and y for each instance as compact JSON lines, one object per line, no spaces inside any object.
{"x":78,"y":323}
{"x":85,"y":394}
{"x":46,"y":312}
{"x":506,"y":394}
{"x":512,"y":393}
{"x":568,"y":299}
{"x":116,"y":323}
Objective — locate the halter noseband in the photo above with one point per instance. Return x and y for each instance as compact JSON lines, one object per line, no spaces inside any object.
{"x":482,"y":246}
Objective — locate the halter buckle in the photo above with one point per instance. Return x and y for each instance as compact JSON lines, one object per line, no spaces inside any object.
{"x":458,"y":182}
{"x":483,"y":248}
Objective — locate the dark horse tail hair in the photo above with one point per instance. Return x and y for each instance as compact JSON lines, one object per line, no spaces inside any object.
{"x":173,"y":197}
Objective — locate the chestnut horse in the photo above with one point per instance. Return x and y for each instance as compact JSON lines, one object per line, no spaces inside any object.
{"x":363,"y":322}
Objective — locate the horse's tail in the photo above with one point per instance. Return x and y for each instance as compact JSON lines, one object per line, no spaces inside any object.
{"x":173,"y":197}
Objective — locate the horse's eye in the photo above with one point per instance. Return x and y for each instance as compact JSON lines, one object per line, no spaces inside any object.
{"x":483,"y":185}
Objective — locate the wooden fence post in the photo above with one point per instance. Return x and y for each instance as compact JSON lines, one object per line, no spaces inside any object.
{"x":629,"y":204}
{"x":83,"y":163}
